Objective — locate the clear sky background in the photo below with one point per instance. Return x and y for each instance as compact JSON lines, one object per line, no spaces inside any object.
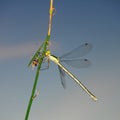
{"x":23,"y":26}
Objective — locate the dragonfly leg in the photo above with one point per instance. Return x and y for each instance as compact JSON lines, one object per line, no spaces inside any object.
{"x":47,"y":67}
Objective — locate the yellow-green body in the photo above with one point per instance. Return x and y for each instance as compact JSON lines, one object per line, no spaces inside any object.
{"x":57,"y":61}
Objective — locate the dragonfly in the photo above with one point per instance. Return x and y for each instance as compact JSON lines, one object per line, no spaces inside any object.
{"x":72,"y":58}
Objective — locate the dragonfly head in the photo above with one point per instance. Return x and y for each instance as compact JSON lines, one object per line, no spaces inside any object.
{"x":47,"y":53}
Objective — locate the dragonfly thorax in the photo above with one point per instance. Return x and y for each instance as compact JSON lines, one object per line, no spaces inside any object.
{"x":47,"y":53}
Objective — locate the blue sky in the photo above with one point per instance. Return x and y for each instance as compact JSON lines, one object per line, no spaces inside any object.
{"x":23,"y":26}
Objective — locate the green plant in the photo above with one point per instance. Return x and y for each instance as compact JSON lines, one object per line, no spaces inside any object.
{"x":42,"y":49}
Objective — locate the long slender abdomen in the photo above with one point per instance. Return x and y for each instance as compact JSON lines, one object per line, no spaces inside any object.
{"x":77,"y":81}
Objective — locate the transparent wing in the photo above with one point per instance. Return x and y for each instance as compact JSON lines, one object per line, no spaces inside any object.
{"x":62,"y":77}
{"x":77,"y":63}
{"x":77,"y":52}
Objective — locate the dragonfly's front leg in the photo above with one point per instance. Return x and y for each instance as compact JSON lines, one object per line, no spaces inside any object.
{"x":47,"y":67}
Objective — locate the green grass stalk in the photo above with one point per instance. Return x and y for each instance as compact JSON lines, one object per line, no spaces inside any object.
{"x":42,"y":49}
